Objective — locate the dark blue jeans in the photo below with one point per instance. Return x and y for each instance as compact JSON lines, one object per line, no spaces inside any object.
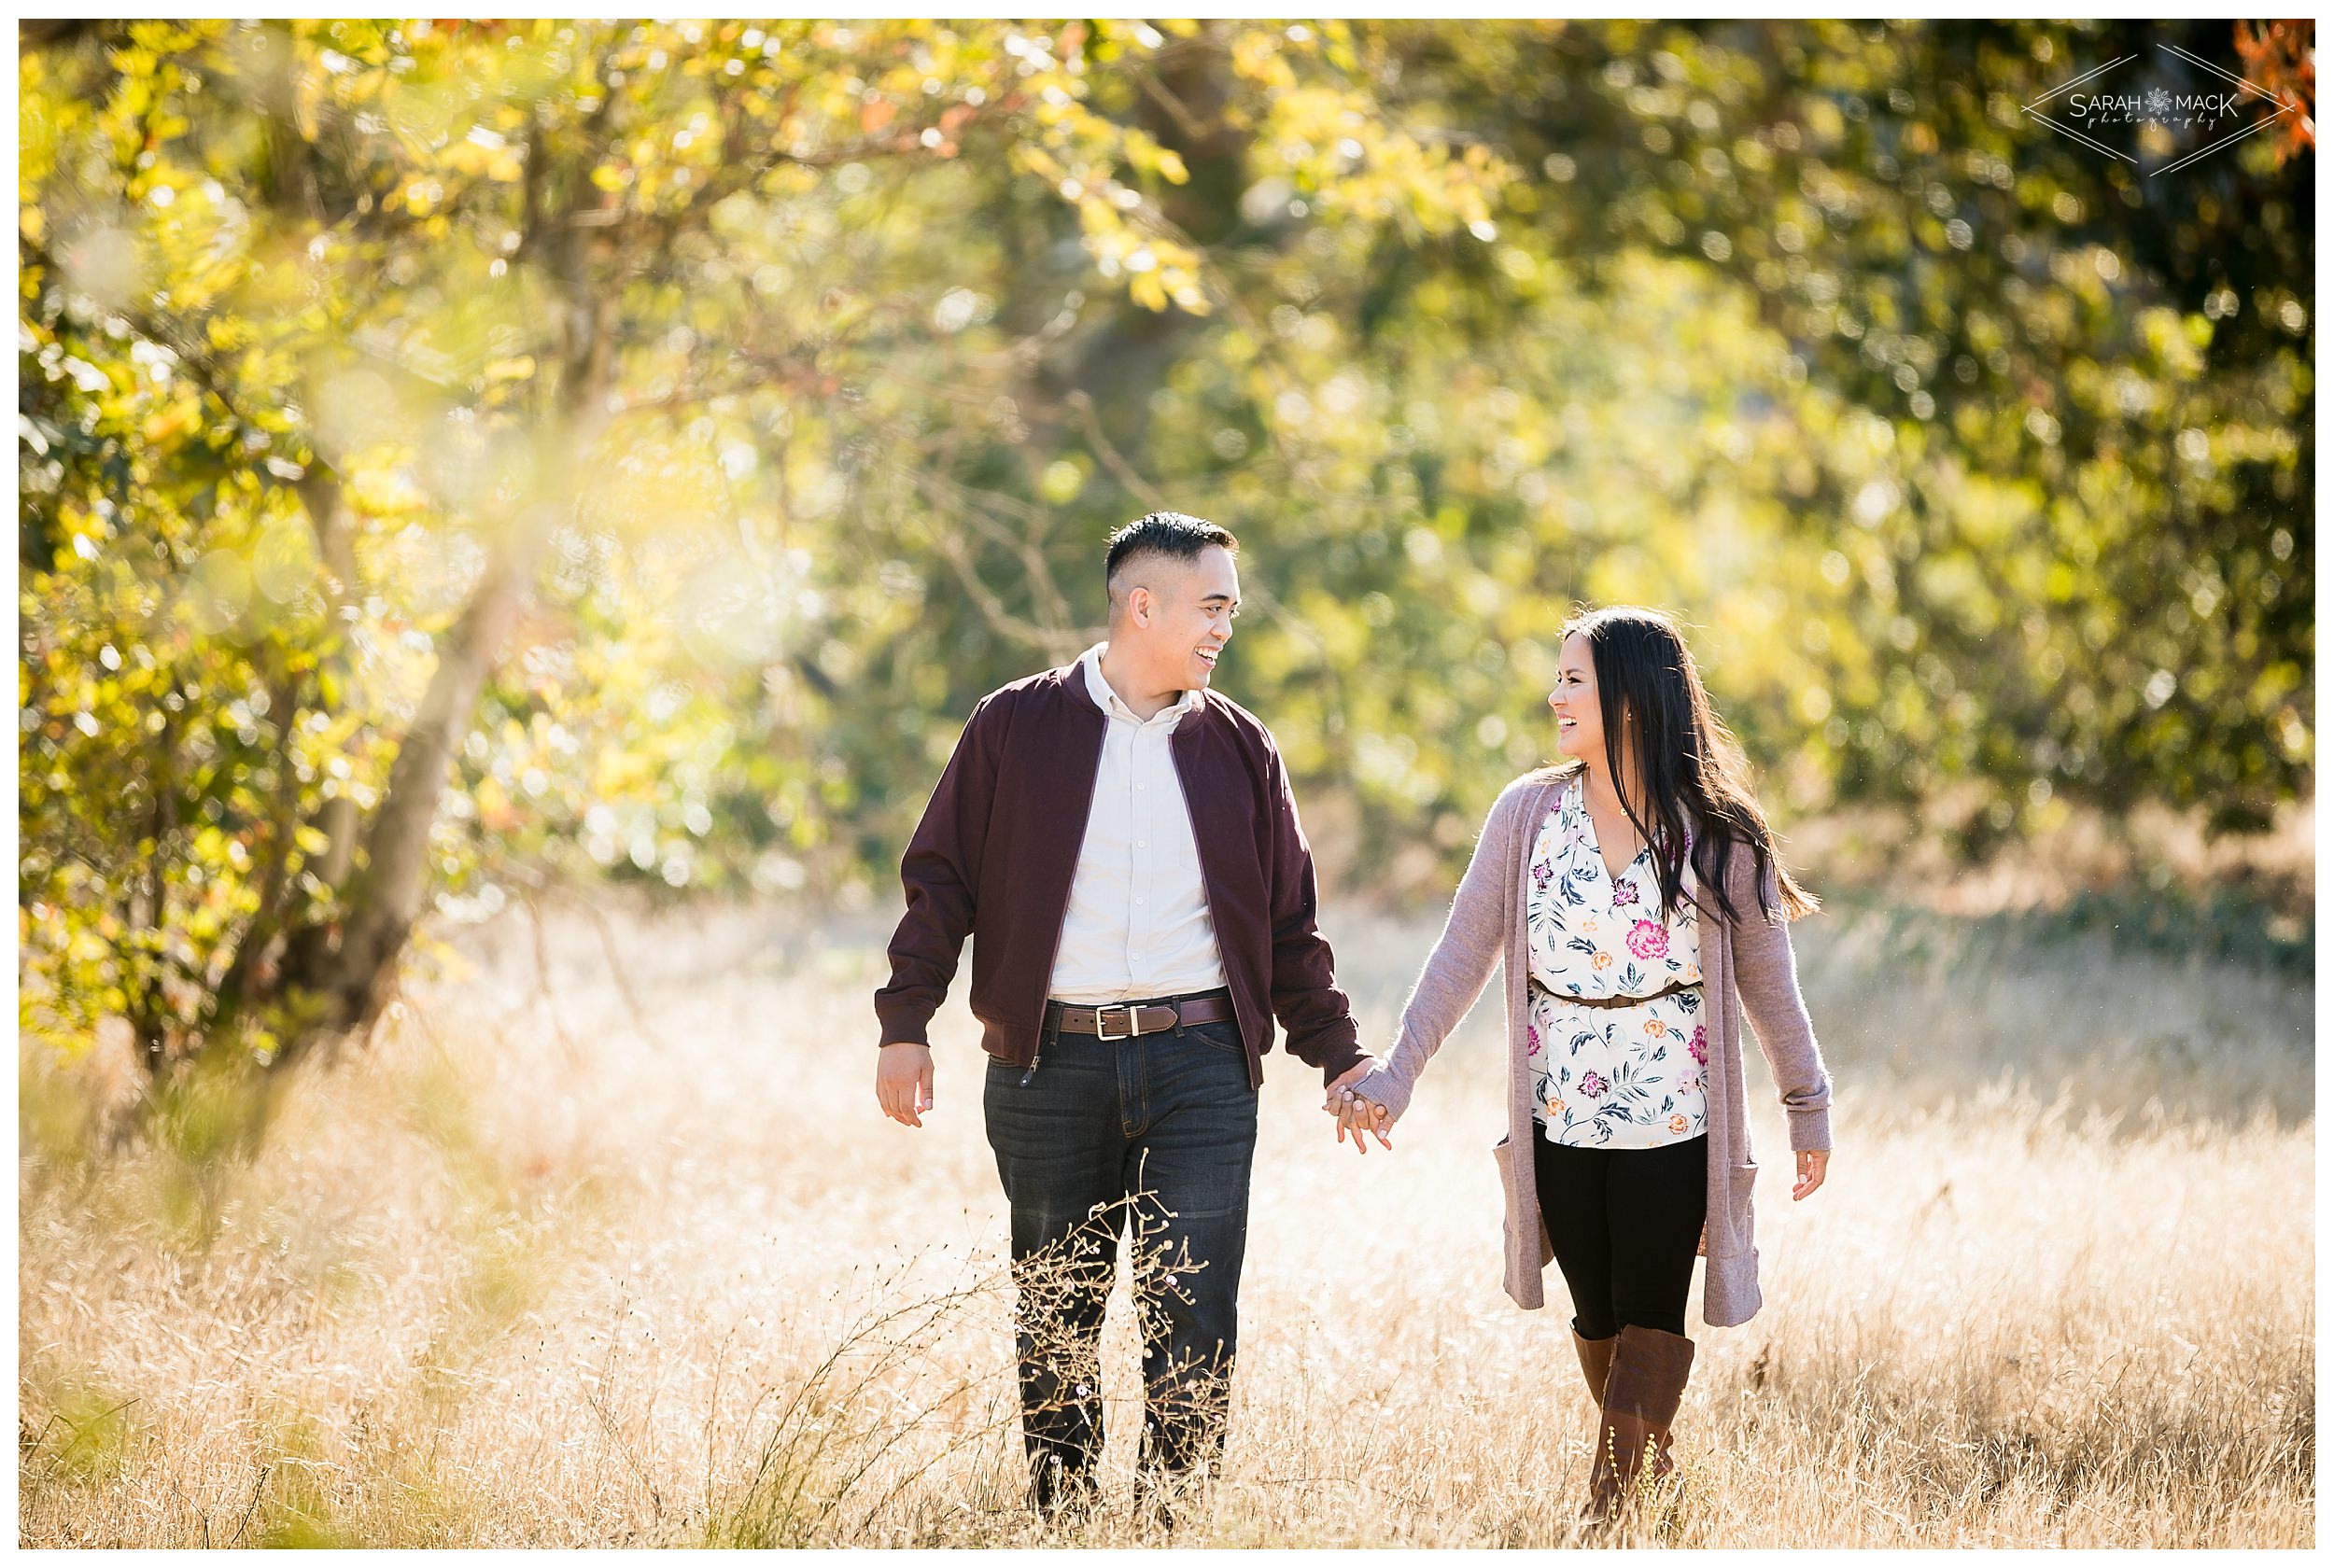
{"x":1160,"y":1129}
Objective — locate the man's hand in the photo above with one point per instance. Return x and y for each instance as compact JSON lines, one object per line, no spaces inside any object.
{"x":903,"y":1080}
{"x":1356,"y":1115}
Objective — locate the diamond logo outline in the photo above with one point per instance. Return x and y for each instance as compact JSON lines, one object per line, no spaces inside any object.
{"x":2279,"y":110}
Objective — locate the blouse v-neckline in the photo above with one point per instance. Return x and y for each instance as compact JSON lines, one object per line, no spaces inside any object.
{"x":1597,"y":847}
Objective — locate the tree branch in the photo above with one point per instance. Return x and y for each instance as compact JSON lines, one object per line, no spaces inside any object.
{"x":1082,"y":404}
{"x":201,"y":368}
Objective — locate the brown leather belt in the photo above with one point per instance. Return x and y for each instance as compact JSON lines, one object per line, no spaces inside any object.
{"x":1670,"y":989}
{"x":1124,"y":1022}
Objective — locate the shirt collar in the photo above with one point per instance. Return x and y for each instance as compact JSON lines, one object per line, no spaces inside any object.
{"x":1113,"y":705}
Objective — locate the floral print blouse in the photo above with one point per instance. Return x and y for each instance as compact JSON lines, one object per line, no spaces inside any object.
{"x":1610,"y":1077}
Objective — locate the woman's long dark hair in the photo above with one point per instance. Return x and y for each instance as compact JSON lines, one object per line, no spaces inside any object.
{"x":1690,"y":768}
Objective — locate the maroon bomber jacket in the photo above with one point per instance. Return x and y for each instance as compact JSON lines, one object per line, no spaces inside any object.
{"x":998,"y":845}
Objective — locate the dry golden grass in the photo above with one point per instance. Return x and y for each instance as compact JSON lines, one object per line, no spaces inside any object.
{"x":536,"y":1275}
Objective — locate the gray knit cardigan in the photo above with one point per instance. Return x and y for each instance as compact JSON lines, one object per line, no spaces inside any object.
{"x":1746,"y":961}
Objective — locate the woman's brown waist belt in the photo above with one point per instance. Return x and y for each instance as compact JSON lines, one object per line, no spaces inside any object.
{"x":1670,"y":989}
{"x":1125,"y":1021}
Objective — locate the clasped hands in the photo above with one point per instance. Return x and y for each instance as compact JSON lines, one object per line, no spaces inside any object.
{"x":903,"y":1090}
{"x":1358,"y":1113}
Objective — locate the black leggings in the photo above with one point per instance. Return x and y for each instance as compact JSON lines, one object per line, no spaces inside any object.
{"x":1625,"y":1224}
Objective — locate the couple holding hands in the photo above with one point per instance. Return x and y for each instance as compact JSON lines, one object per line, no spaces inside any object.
{"x":1122,"y":843}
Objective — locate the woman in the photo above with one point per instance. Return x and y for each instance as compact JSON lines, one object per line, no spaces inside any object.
{"x":1635,"y":893}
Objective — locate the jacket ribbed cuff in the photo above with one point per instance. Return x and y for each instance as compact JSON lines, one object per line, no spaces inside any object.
{"x":1340,"y":1064}
{"x":903,"y":1026}
{"x":1810,"y":1130}
{"x":1337,"y":1057}
{"x":1384,"y":1088}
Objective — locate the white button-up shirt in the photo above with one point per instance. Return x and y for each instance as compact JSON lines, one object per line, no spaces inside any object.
{"x":1138,"y":925}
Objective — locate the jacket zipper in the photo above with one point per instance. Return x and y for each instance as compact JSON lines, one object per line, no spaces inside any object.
{"x":1093,"y":785}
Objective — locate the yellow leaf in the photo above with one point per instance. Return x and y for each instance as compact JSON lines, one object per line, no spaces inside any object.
{"x":168,"y":425}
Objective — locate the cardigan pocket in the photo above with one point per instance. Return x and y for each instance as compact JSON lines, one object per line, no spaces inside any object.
{"x":1740,"y":1179}
{"x":1503,"y":1153}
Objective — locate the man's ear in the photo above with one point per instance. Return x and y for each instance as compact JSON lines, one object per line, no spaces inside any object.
{"x":1139,"y":606}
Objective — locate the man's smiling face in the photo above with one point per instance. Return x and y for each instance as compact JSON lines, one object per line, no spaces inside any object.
{"x":1182,"y":615}
{"x":1207,"y":599}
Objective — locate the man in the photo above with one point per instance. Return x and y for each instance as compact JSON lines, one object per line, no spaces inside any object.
{"x":1122,"y":845}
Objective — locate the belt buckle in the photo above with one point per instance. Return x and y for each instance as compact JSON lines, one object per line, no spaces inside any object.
{"x":1102,"y":1029}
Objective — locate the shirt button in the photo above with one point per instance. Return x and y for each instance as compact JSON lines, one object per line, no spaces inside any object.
{"x":1142,"y":844}
{"x":1138,"y":901}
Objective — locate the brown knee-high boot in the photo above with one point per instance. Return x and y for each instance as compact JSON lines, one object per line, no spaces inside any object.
{"x":1595,"y":1362}
{"x":1648,"y":1378}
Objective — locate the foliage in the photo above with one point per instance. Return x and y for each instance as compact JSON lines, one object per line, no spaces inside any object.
{"x":458,"y":456}
{"x":339,"y":337}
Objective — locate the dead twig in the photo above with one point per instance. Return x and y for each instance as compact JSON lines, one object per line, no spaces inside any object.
{"x":258,"y":1486}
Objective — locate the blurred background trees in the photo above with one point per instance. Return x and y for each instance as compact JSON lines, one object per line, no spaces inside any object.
{"x":459,"y":461}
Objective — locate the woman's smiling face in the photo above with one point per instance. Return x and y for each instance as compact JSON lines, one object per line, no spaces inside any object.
{"x":1580,"y":717}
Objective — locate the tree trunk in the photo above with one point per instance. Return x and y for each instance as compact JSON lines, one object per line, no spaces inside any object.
{"x":346,"y":976}
{"x":1185,"y":109}
{"x":386,"y":893}
{"x":149,"y":1011}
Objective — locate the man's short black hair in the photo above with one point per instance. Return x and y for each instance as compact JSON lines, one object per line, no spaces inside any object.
{"x":1165,"y":533}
